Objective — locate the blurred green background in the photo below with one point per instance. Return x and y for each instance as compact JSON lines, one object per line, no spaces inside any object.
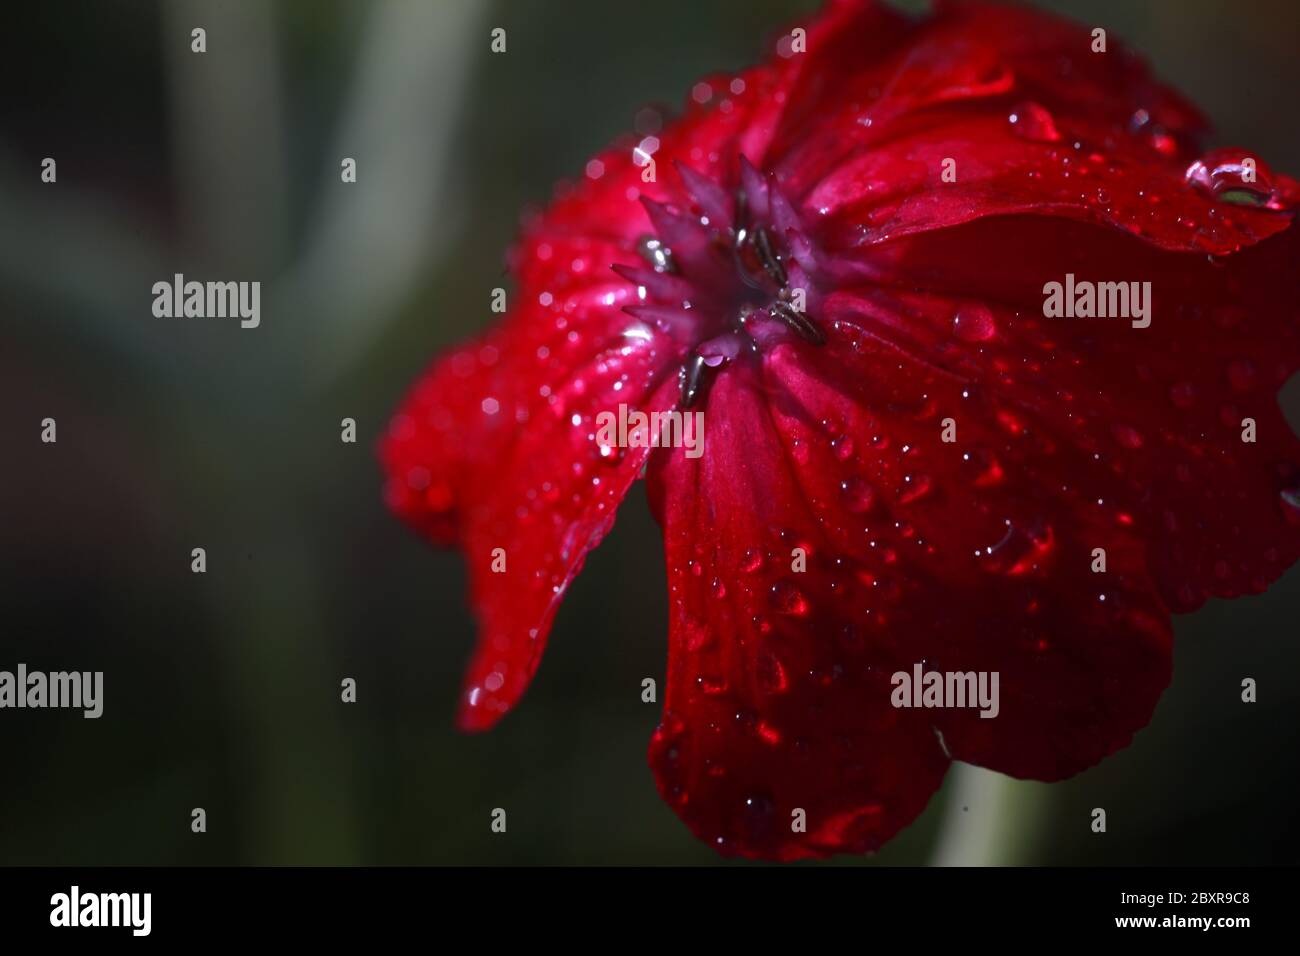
{"x":222,"y":690}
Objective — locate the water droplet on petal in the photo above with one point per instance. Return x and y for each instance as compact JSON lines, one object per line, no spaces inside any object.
{"x":711,"y":684}
{"x":1227,"y":175}
{"x":771,"y":674}
{"x":788,"y":599}
{"x":982,"y":468}
{"x":768,"y":733}
{"x":974,"y":323}
{"x":914,"y":487}
{"x":1031,"y":121}
{"x":857,"y":495}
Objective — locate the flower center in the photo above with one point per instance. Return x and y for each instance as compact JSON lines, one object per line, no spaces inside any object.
{"x":732,"y":274}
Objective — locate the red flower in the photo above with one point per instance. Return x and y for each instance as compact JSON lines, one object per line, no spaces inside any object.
{"x":849,"y":248}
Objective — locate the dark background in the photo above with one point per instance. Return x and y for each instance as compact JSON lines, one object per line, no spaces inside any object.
{"x":222,"y":690}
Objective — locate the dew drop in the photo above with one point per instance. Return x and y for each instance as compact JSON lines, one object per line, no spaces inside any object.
{"x":1224,"y":176}
{"x":982,"y":468}
{"x":1228,"y":316}
{"x":851,"y":638}
{"x":711,"y":684}
{"x":758,"y":817}
{"x":771,"y":674}
{"x":914,"y":488}
{"x":974,"y":323}
{"x":857,"y":495}
{"x":788,"y":599}
{"x":1031,"y":121}
{"x":1010,"y":422}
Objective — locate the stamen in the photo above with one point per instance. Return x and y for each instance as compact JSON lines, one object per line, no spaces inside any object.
{"x":771,"y":264}
{"x":803,"y":325}
{"x":716,"y":231}
{"x":692,"y":377}
{"x":742,"y":216}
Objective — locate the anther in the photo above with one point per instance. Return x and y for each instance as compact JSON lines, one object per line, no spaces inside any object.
{"x":803,"y":325}
{"x":771,"y":264}
{"x":742,"y":216}
{"x":692,"y":378}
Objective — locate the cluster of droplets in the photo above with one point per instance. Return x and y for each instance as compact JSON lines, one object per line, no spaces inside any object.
{"x":772,"y":703}
{"x":1229,"y":178}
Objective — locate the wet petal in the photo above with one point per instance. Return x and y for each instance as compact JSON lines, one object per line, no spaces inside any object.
{"x":496,"y":450}
{"x":778,"y":739}
{"x":1145,"y":423}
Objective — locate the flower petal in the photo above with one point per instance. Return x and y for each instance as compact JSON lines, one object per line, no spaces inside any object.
{"x":773,"y":705}
{"x":910,"y":562}
{"x":1079,"y":170}
{"x":495,"y":450}
{"x":1149,"y":421}
{"x":984,"y":110}
{"x":982,"y":564}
